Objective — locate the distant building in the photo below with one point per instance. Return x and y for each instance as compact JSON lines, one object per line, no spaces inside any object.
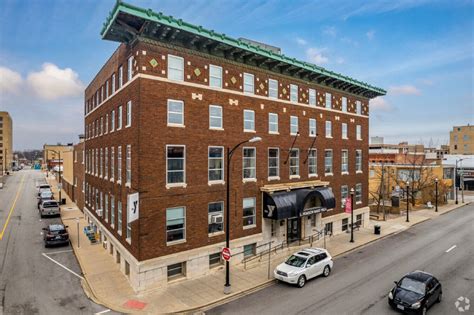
{"x":72,"y":178}
{"x":461,"y":140}
{"x":52,"y":152}
{"x":464,"y":165}
{"x":6,"y":142}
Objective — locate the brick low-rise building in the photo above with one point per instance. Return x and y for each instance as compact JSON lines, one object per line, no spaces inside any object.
{"x":159,"y":117}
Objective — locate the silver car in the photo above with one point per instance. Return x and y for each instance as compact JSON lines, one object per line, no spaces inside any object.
{"x":49,"y":208}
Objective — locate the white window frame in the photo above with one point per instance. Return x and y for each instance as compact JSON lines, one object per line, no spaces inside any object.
{"x":312,"y":126}
{"x":254,"y":167}
{"x":277,"y":167}
{"x":113,"y":83}
{"x":296,"y":167}
{"x":129,"y":68}
{"x":273,"y":88}
{"x":358,"y":132}
{"x":183,"y":228}
{"x":275,"y":124}
{"x":119,"y":164}
{"x":176,"y":70}
{"x":358,"y":161}
{"x":254,"y":215}
{"x":344,"y":131}
{"x":344,"y":104}
{"x":128,"y":118}
{"x":358,"y":193}
{"x":112,"y":121}
{"x":112,"y":211}
{"x":312,"y":97}
{"x":106,"y":163}
{"x":344,"y":162}
{"x":119,"y":117}
{"x":249,"y":83}
{"x":313,"y":162}
{"x":328,"y":104}
{"x":183,"y":183}
{"x":344,"y":192}
{"x":326,"y":164}
{"x":252,"y":121}
{"x":294,"y":125}
{"x":213,"y":213}
{"x":107,"y":89}
{"x":358,"y":107}
{"x":215,"y":75}
{"x":328,"y":129}
{"x":168,"y":112}
{"x":120,"y":75}
{"x":128,"y":165}
{"x":221,"y":170}
{"x":112,"y":163}
{"x":119,"y":217}
{"x":293,"y":93}
{"x":220,"y":118}
{"x":106,"y":124}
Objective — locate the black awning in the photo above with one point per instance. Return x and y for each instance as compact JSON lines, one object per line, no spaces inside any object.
{"x":298,"y":203}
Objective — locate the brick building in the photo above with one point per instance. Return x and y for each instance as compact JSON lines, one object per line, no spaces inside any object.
{"x":461,"y":140}
{"x":78,"y":173}
{"x":6,"y":142}
{"x":159,"y":117}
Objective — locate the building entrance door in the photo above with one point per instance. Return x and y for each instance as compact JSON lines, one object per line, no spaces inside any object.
{"x":293,"y":229}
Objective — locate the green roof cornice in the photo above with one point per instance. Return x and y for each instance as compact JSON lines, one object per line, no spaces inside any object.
{"x":160,"y":18}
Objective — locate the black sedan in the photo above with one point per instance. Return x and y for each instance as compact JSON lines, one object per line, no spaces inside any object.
{"x":55,"y":234}
{"x":415,"y":293}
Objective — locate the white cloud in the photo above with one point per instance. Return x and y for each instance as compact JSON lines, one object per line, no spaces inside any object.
{"x":315,"y":55}
{"x":404,"y":90}
{"x":340,"y":60}
{"x":52,"y":82}
{"x":380,"y":104}
{"x":10,"y":81}
{"x":370,"y":34}
{"x":330,"y":30}
{"x":301,"y":41}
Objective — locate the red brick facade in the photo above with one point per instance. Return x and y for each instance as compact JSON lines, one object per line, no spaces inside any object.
{"x":149,"y":134}
{"x":78,"y":171}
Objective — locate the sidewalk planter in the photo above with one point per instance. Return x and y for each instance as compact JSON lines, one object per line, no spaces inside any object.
{"x":377,"y":229}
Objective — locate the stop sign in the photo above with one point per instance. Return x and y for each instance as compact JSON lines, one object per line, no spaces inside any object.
{"x":226,"y":253}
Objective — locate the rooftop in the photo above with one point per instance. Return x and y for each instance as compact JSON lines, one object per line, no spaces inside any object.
{"x":126,"y":23}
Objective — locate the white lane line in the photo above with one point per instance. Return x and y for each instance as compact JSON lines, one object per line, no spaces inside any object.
{"x":104,"y":311}
{"x":57,"y":263}
{"x":451,"y":248}
{"x":60,"y":251}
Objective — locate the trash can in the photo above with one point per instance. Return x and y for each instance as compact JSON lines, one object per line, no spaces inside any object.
{"x":377,"y":229}
{"x":63,"y":201}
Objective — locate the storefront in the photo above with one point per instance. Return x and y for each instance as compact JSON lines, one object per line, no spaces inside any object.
{"x":296,"y":207}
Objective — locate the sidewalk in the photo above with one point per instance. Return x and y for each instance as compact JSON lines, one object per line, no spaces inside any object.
{"x":107,"y":285}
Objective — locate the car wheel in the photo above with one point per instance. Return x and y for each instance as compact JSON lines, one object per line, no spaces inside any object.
{"x":301,"y":281}
{"x":326,"y":271}
{"x":423,"y":310}
{"x":440,"y":297}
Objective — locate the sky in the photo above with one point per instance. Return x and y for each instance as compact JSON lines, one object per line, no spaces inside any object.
{"x":420,"y":51}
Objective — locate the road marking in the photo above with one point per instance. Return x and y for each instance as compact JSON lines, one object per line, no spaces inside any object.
{"x":451,"y":248}
{"x":60,"y":251}
{"x":104,"y":311}
{"x":54,"y":261}
{"x":12,"y":208}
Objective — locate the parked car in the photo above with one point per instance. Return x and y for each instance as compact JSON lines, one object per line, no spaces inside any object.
{"x":45,"y":195}
{"x":304,"y":265}
{"x":55,"y":234}
{"x":415,"y":293}
{"x":49,"y":208}
{"x":41,"y":190}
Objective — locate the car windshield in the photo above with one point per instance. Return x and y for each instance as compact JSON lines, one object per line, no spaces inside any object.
{"x":55,"y":229}
{"x":296,"y":261}
{"x":412,"y":285}
{"x":50,"y":204}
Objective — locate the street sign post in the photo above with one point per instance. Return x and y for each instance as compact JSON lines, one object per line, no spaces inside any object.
{"x":226,"y":254}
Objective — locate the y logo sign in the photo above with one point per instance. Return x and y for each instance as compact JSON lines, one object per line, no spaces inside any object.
{"x":270,"y":210}
{"x":133,"y":207}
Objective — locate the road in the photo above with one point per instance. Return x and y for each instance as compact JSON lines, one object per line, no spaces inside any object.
{"x":361,"y":280}
{"x":30,"y":283}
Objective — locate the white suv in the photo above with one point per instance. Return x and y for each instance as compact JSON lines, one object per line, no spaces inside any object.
{"x":304,"y":265}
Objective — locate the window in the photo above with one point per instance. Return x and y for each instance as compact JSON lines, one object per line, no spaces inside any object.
{"x":175,"y":68}
{"x":294,"y":162}
{"x":112,"y":121}
{"x":128,"y":164}
{"x":312,"y":97}
{"x":128,"y":226}
{"x":249,"y":162}
{"x":272,"y":88}
{"x":215,"y":76}
{"x":120,"y":77}
{"x":215,"y":217}
{"x":119,"y":217}
{"x":328,"y":161}
{"x":312,"y":162}
{"x":106,"y":162}
{"x":175,"y":164}
{"x":312,"y":127}
{"x":358,"y":161}
{"x":344,"y":104}
{"x":344,"y":195}
{"x":344,"y":161}
{"x":112,"y":162}
{"x":112,"y":211}
{"x":328,"y":228}
{"x":358,"y":107}
{"x":113,"y":83}
{"x":106,"y":207}
{"x":293,"y":125}
{"x":344,"y":130}
{"x":175,"y":224}
{"x":176,"y":270}
{"x":119,"y":164}
{"x":106,"y":123}
{"x":216,"y":164}
{"x":175,"y":113}
{"x":215,"y":260}
{"x":101,"y":93}
{"x":101,"y":165}
{"x":328,"y":129}
{"x":358,"y":193}
{"x":96,"y":173}
{"x":293,"y":93}
{"x":328,"y":100}
{"x":215,"y":117}
{"x":130,"y":68}
{"x":359,"y":220}
{"x":249,"y":120}
{"x":249,"y":215}
{"x":273,"y":162}
{"x":358,"y":132}
{"x":272,"y":123}
{"x":119,"y":114}
{"x":248,"y":83}
{"x":107,"y":89}
{"x":345,"y":224}
{"x":250,"y":250}
{"x":128,"y":118}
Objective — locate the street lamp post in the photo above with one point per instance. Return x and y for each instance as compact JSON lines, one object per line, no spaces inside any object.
{"x":408,"y":201}
{"x":436,"y":193}
{"x":352,"y":215}
{"x":230,"y":152}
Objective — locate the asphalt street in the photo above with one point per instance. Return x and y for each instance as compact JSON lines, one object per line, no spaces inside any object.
{"x":361,"y":280}
{"x":30,"y":282}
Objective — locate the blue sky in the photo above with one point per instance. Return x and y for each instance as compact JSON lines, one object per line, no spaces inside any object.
{"x":421,"y":52}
